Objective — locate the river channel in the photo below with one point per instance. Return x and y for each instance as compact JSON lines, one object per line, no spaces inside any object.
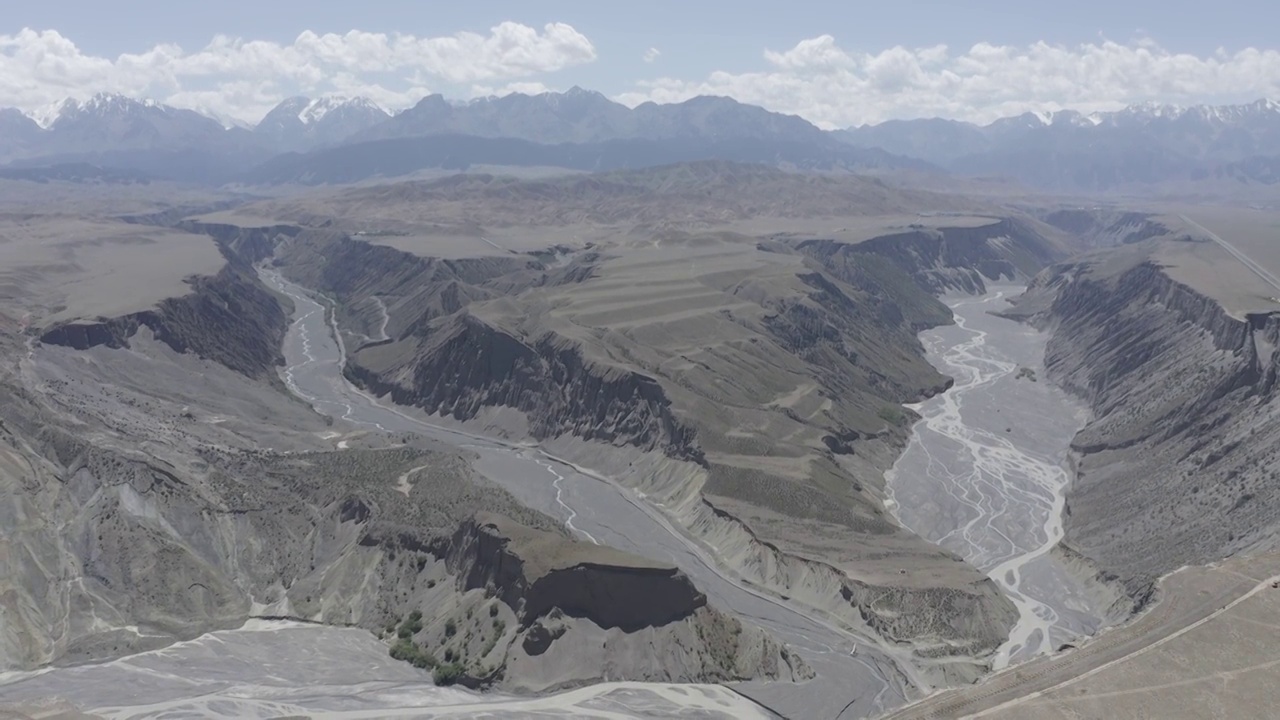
{"x":857,"y":675}
{"x":986,"y":470}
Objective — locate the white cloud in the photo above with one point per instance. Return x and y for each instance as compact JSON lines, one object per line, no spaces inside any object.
{"x":233,"y":77}
{"x":651,"y":54}
{"x":834,"y":87}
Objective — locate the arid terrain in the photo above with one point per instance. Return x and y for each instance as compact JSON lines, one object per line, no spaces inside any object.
{"x":528,"y":434}
{"x":587,"y":361}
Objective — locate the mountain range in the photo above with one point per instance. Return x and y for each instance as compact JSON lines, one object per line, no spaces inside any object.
{"x":348,"y":139}
{"x":331,"y":140}
{"x":1067,"y":150}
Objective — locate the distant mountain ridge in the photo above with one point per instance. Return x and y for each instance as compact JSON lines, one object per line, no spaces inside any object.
{"x":585,"y":116}
{"x":1141,"y":144}
{"x":342,"y":139}
{"x":301,"y":138}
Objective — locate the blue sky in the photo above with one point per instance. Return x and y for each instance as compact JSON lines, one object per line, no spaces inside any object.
{"x":864,"y":61}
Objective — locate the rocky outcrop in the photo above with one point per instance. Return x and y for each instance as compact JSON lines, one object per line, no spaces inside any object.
{"x":1176,"y":465}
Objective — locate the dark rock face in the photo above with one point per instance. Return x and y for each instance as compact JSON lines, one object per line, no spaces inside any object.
{"x":616,"y":596}
{"x":610,"y":595}
{"x":539,"y":638}
{"x":1177,"y":465}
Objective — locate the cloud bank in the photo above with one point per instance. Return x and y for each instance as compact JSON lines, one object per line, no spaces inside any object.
{"x":833,"y":87}
{"x":240,"y":80}
{"x":243,"y":79}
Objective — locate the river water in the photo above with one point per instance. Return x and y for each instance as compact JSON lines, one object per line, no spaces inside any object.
{"x":858,"y":675}
{"x":986,"y":469}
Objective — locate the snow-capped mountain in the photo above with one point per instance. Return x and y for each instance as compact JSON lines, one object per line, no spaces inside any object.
{"x":1142,"y":143}
{"x":126,"y":133}
{"x":301,"y":123}
{"x":116,"y":122}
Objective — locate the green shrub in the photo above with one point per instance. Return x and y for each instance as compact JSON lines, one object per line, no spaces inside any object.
{"x":892,"y":414}
{"x":450,"y":628}
{"x":411,"y":626}
{"x":406,"y":651}
{"x":447,"y":674}
{"x":493,"y":610}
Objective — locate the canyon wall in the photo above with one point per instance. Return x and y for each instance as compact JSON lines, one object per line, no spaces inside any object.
{"x":1177,"y":465}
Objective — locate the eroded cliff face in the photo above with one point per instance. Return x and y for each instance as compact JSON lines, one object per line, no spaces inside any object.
{"x":1177,"y":465}
{"x":230,"y":318}
{"x":462,"y":365}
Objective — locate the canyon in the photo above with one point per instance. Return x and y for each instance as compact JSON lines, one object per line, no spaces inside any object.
{"x":794,"y":439}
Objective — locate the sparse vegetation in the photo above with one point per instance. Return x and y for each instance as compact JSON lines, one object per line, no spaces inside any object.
{"x":893,"y":415}
{"x":405,"y":650}
{"x":447,"y":673}
{"x":411,"y":626}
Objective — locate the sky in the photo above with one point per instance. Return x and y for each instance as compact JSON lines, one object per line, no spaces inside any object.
{"x":835,"y":64}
